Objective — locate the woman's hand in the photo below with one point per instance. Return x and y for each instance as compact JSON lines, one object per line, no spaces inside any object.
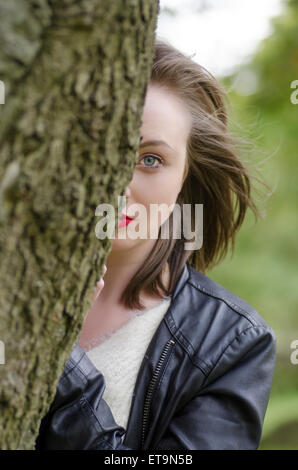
{"x":100,"y":284}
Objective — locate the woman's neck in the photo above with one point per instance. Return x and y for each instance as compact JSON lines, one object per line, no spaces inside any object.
{"x":121,"y":267}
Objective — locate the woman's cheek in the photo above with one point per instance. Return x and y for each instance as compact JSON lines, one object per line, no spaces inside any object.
{"x":160,"y":189}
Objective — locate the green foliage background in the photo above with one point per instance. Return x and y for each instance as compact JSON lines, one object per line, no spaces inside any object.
{"x":263,"y":269}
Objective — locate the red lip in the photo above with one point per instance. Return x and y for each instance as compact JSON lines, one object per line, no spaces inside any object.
{"x":124,"y":220}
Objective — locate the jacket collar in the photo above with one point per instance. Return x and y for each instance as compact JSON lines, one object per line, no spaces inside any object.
{"x":181,"y":281}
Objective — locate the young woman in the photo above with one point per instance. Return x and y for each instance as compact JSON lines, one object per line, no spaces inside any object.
{"x":167,"y":358}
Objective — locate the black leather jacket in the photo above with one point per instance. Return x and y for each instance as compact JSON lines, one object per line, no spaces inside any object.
{"x":204,"y":381}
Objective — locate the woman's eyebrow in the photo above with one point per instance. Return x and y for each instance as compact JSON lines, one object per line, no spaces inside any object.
{"x":155,"y":142}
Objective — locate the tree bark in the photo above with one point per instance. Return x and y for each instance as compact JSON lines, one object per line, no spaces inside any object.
{"x":75,"y":75}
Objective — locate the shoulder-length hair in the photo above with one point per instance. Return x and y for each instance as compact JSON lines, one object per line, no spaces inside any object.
{"x":215,"y":177}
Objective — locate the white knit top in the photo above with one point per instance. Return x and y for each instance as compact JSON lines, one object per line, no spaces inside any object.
{"x":119,"y":358}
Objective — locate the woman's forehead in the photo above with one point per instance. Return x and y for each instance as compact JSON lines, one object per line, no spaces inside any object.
{"x":165,"y":117}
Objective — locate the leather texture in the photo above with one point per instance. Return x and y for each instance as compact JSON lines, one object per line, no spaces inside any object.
{"x":203,"y":384}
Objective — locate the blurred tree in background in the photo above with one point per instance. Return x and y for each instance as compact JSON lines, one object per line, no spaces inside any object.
{"x":264,"y":268}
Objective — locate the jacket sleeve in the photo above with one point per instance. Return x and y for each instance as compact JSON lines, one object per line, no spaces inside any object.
{"x":79,"y":418}
{"x":228,"y":411}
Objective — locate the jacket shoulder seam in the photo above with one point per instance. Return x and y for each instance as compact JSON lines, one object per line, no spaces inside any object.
{"x":229,"y":304}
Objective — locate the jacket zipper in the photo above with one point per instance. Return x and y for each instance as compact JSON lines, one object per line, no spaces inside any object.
{"x":151,"y":386}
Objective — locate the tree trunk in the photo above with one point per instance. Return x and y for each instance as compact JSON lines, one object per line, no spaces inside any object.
{"x":75,"y":76}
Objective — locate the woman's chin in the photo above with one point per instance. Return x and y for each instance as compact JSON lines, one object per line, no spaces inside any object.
{"x":126,"y":243}
{"x":123,"y":244}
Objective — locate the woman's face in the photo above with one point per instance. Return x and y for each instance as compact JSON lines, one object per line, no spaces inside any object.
{"x":160,"y":171}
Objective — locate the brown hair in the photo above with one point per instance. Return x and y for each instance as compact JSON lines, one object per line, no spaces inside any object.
{"x":215,"y":177}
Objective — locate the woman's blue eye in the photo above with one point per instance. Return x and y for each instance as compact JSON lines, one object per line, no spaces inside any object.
{"x":150,"y":161}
